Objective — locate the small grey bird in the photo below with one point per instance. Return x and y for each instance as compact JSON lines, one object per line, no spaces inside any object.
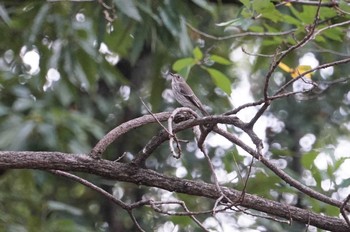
{"x":184,"y":94}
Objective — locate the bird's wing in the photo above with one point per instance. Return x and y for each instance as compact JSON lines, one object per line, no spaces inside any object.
{"x":185,"y":90}
{"x":192,"y":98}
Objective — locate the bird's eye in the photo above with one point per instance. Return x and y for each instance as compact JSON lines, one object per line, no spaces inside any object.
{"x":178,"y":77}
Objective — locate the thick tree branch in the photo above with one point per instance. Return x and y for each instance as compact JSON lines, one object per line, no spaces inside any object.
{"x":140,"y":176}
{"x":114,"y":134}
{"x":163,"y":136}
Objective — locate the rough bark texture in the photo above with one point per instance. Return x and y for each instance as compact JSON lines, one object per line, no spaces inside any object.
{"x":140,"y":176}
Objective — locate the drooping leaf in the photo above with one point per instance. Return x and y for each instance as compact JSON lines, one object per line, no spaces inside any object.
{"x":128,"y":8}
{"x":308,"y":159}
{"x":340,"y":162}
{"x":326,"y":13}
{"x":204,"y":4}
{"x":4,"y":15}
{"x":168,"y":22}
{"x":285,"y":67}
{"x":345,"y":184}
{"x":220,"y":80}
{"x":183,"y":37}
{"x":228,"y":23}
{"x":256,"y":28}
{"x":197,"y":53}
{"x":308,"y":14}
{"x":246,"y":3}
{"x":220,"y":60}
{"x":291,"y":20}
{"x":267,"y":10}
{"x":300,"y":70}
{"x":297,"y":71}
{"x":182,"y":63}
{"x":334,"y":34}
{"x":38,"y":22}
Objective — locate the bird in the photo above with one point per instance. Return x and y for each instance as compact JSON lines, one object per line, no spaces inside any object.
{"x":184,"y":94}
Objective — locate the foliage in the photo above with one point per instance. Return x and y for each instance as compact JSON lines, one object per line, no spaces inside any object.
{"x":70,"y":71}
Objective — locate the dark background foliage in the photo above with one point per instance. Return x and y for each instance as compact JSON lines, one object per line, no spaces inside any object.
{"x":109,"y":54}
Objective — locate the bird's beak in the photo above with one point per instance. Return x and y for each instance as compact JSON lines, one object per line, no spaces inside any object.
{"x":169,"y":75}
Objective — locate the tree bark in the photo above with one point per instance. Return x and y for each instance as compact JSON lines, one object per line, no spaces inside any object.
{"x":141,"y":176}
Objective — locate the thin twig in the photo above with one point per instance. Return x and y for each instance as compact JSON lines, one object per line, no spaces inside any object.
{"x":308,"y":222}
{"x":257,"y":54}
{"x":314,"y":3}
{"x":135,"y":221}
{"x":273,"y":66}
{"x":275,"y":63}
{"x":258,"y":34}
{"x":247,"y":178}
{"x":99,"y":190}
{"x":330,"y":27}
{"x":342,"y":210}
{"x":120,"y":157}
{"x":341,"y":10}
{"x":150,"y":112}
{"x":186,"y":213}
{"x":338,"y":62}
{"x":216,"y":182}
{"x":280,"y":173}
{"x":172,"y":136}
{"x":235,"y":111}
{"x":92,"y":186}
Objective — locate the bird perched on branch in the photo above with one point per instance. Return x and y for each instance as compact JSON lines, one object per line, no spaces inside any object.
{"x":184,"y":94}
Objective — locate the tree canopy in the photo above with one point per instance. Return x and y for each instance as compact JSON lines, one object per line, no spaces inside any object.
{"x":92,"y":139}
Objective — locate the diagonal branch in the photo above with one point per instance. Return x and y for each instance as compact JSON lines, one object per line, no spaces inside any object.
{"x":284,"y":176}
{"x":123,"y":128}
{"x":157,"y":140}
{"x":276,"y":61}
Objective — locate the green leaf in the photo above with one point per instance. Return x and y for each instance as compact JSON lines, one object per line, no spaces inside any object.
{"x":345,"y":183}
{"x":183,"y":37}
{"x":320,"y":38}
{"x":185,"y":71}
{"x":270,"y":28}
{"x":339,"y":162}
{"x":262,"y":6}
{"x":232,"y":22}
{"x":274,"y":41}
{"x":308,"y":14}
{"x":246,"y":3}
{"x":326,"y":13}
{"x":221,"y":80}
{"x":220,"y":60}
{"x":291,"y":20}
{"x":344,"y":5}
{"x":128,"y":7}
{"x":197,"y":53}
{"x":247,"y":14}
{"x":334,"y":34}
{"x":38,"y":22}
{"x":183,"y":63}
{"x":4,"y":15}
{"x":267,"y":10}
{"x":256,"y":28}
{"x":308,"y":159}
{"x":147,"y":9}
{"x":204,"y":4}
{"x":169,"y":22}
{"x":296,"y":13}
